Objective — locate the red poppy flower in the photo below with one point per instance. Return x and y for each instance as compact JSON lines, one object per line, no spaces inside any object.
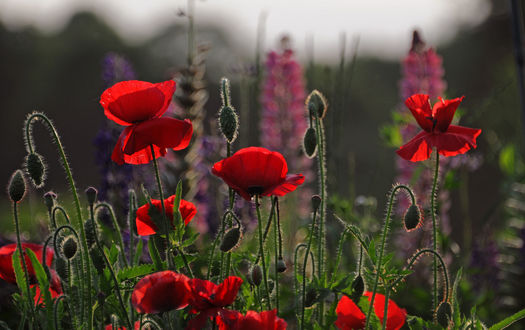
{"x":209,"y":299}
{"x":449,"y":140}
{"x":161,"y":292}
{"x":350,"y":317}
{"x":146,"y":226}
{"x":256,"y":170}
{"x":266,"y":320}
{"x":55,"y":288}
{"x":139,"y":106}
{"x":6,"y":261}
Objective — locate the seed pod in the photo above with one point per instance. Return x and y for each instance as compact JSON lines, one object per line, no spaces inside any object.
{"x":281,"y":265}
{"x":444,"y":314}
{"x":17,"y":186}
{"x":35,"y":169}
{"x":69,"y":247}
{"x":311,"y":297}
{"x":91,"y":232}
{"x":358,"y":287}
{"x":412,"y":218}
{"x":228,"y":123}
{"x":230,"y":240}
{"x":91,"y":194}
{"x":50,"y":199}
{"x":316,"y":202}
{"x":310,"y":143}
{"x":316,"y":102}
{"x":256,"y":275}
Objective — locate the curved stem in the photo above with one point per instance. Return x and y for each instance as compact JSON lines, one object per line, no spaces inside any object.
{"x":261,"y":252}
{"x":54,"y":212}
{"x":382,"y":247}
{"x":434,"y":233}
{"x":65,"y":164}
{"x":117,"y":229}
{"x":215,"y":241}
{"x":166,"y":224}
{"x":312,"y":229}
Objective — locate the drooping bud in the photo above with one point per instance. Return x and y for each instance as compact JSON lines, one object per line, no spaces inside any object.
{"x":310,"y":297}
{"x":256,"y":275}
{"x":61,"y":268}
{"x":358,"y":287}
{"x":35,"y":169}
{"x":91,"y":194}
{"x":69,"y":247}
{"x":281,"y":265}
{"x":310,"y":143}
{"x":316,"y":202}
{"x":98,"y":259}
{"x":230,"y":240}
{"x":412,"y":218}
{"x":316,"y":103}
{"x":50,"y":199}
{"x":228,"y":123}
{"x":444,"y":314}
{"x":90,"y":230}
{"x":17,"y":186}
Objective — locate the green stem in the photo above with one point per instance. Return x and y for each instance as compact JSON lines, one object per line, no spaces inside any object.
{"x":22,"y":259}
{"x":339,"y":255}
{"x":166,"y":221}
{"x":434,"y":234}
{"x":276,"y":250}
{"x":385,"y":313}
{"x":117,"y":229}
{"x":261,"y":252}
{"x":54,"y":214}
{"x":65,"y":164}
{"x":186,"y":264}
{"x":382,"y":248}
{"x":267,"y":229}
{"x":303,"y":291}
{"x":131,"y":219}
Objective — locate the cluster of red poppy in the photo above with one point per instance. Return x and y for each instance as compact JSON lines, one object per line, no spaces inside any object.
{"x":167,"y":290}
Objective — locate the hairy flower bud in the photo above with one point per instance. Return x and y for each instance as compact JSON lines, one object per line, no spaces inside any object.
{"x":311,"y":297}
{"x":412,"y":218}
{"x":358,"y":287}
{"x":61,"y":268}
{"x":91,"y":232}
{"x":69,"y":247}
{"x":17,"y":186}
{"x":310,"y":143}
{"x":91,"y":194}
{"x":50,"y":199}
{"x":98,"y":259}
{"x":230,"y":240}
{"x":444,"y":314}
{"x":35,"y":169}
{"x":281,"y":265}
{"x":316,"y":104}
{"x":228,"y":123}
{"x":316,"y":202}
{"x":256,"y":275}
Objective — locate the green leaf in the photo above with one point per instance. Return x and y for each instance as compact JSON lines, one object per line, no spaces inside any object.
{"x":43,"y":283}
{"x":456,"y":314}
{"x":154,"y":253}
{"x":177,"y":217}
{"x":138,"y":251}
{"x":136,"y":271}
{"x":509,"y":320}
{"x":343,"y":283}
{"x":417,"y":323}
{"x":364,"y":304}
{"x":190,"y":239}
{"x":507,"y":159}
{"x":19,"y":274}
{"x":179,"y":262}
{"x":372,"y":251}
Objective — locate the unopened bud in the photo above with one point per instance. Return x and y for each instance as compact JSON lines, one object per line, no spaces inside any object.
{"x":230,"y":240}
{"x":310,"y":142}
{"x":228,"y":123}
{"x":281,"y":265}
{"x":316,"y":202}
{"x":310,"y":297}
{"x":61,"y":268}
{"x":444,"y":314}
{"x":17,"y":186}
{"x":256,"y":275}
{"x":412,"y":218}
{"x":91,"y":231}
{"x":358,"y":287}
{"x":316,"y":104}
{"x":50,"y":199}
{"x":69,"y":247}
{"x":91,"y":194}
{"x":98,"y":259}
{"x":35,"y":169}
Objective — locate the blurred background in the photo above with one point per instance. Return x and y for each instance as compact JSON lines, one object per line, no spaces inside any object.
{"x":58,"y":56}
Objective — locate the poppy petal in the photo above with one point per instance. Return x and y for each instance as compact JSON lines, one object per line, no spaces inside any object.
{"x":290,"y":184}
{"x":455,"y":141}
{"x":202,"y":290}
{"x":6,"y":260}
{"x":417,"y":149}
{"x":444,"y":111}
{"x":395,"y":316}
{"x":227,"y":291}
{"x":146,"y":226}
{"x":349,"y":316}
{"x":420,"y":108}
{"x":142,"y":156}
{"x":133,"y":101}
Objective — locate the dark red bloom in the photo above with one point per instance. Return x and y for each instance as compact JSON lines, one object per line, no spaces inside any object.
{"x":7,"y":272}
{"x":449,"y":140}
{"x":55,"y":288}
{"x":266,"y":320}
{"x":209,"y":299}
{"x":256,"y":170}
{"x":161,"y":292}
{"x":146,"y":226}
{"x":350,"y":317}
{"x":139,"y":106}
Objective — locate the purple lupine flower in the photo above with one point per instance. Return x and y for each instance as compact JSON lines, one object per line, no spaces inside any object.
{"x":283,"y":121}
{"x":116,"y":68}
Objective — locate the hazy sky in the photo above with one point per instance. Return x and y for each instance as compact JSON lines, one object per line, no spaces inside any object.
{"x":383,"y":26}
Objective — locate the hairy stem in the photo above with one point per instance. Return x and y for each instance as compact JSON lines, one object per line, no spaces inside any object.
{"x":261,"y":252}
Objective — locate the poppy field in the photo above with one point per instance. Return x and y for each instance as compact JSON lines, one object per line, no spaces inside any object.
{"x":233,"y":204}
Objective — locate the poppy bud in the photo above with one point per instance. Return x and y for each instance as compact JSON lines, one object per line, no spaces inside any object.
{"x":310,"y":142}
{"x":444,"y":314}
{"x":316,"y":202}
{"x":256,"y":275}
{"x":17,"y":186}
{"x":271,"y":285}
{"x":310,"y":297}
{"x":69,"y":247}
{"x":101,"y":297}
{"x":281,"y":265}
{"x":91,"y":194}
{"x":61,"y":268}
{"x":50,"y":199}
{"x":35,"y":169}
{"x":90,"y":230}
{"x":98,"y":259}
{"x":316,"y":102}
{"x":412,"y":218}
{"x":358,"y":287}
{"x":228,"y":123}
{"x":230,"y":240}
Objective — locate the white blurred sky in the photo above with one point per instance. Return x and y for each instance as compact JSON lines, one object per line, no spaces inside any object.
{"x":383,"y":26}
